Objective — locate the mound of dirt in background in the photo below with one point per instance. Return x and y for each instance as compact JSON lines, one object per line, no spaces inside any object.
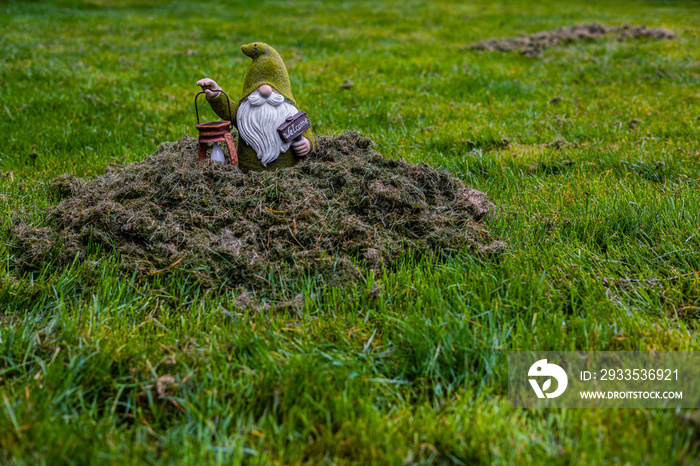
{"x":342,"y":209}
{"x":534,"y":44}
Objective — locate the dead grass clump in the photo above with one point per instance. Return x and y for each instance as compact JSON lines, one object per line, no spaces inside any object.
{"x":342,"y":206}
{"x":534,"y":44}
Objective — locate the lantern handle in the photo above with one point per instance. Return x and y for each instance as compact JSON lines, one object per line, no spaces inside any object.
{"x":204,"y":92}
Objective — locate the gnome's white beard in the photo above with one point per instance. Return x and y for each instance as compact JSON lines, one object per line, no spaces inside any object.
{"x":258,"y":118}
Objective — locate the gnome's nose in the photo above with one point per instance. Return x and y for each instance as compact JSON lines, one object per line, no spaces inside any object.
{"x":265,"y":90}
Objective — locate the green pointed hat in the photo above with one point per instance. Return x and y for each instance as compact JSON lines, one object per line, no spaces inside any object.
{"x":267,"y":68}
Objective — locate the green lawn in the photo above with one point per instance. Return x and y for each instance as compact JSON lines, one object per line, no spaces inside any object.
{"x":162,"y":370}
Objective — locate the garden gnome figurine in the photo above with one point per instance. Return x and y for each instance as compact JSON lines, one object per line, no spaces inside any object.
{"x":265,"y":103}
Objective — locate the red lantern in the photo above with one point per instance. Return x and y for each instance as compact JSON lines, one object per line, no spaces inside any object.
{"x":215,"y":131}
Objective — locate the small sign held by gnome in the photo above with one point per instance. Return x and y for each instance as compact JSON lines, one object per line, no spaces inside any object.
{"x":265,"y":104}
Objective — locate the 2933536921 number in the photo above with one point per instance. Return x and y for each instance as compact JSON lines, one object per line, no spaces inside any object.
{"x":639,"y":374}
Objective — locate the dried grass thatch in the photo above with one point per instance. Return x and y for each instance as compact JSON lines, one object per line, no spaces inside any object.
{"x":533,"y":44}
{"x":343,"y":208}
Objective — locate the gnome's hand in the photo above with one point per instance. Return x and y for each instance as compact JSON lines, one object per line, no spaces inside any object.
{"x":301,"y":147}
{"x":210,"y":88}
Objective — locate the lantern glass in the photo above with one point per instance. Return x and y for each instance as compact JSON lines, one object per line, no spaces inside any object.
{"x":217,"y":155}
